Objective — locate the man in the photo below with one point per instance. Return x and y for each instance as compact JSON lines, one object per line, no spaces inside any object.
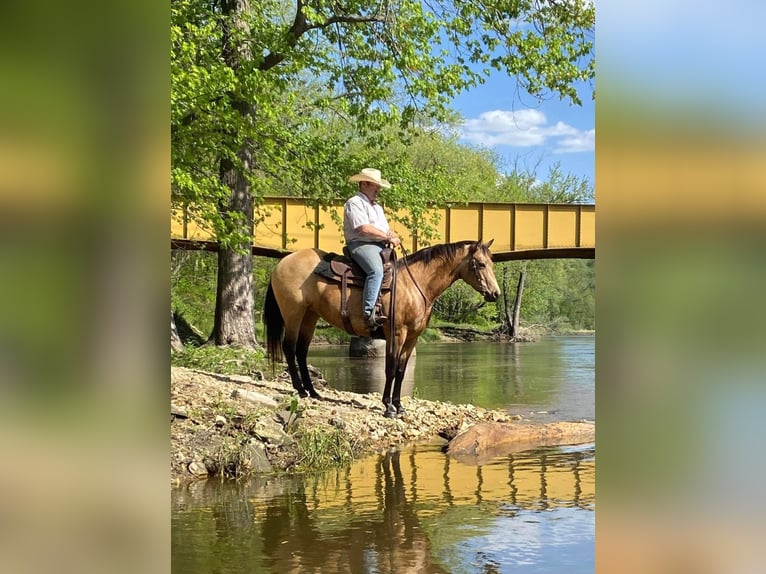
{"x":366,"y":231}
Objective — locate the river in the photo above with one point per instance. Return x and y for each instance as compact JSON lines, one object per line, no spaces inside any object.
{"x":552,"y":379}
{"x":415,"y":510}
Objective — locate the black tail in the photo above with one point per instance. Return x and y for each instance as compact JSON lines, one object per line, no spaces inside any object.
{"x":274,"y":325}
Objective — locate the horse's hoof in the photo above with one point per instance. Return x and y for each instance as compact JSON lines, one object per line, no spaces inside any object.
{"x":401,"y":412}
{"x":315,"y":395}
{"x":302,"y":394}
{"x":390,"y":412}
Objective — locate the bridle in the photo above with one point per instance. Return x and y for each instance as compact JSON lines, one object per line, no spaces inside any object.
{"x":479,"y":278}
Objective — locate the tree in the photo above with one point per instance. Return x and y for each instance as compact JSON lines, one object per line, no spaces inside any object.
{"x":512,"y":313}
{"x":524,"y":186}
{"x":253,"y":88}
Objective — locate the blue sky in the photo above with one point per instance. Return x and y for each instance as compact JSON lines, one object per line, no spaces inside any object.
{"x":687,"y":54}
{"x":531,"y":134}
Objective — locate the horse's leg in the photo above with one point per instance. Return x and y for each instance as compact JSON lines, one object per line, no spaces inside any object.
{"x":390,"y":374}
{"x":401,"y":368}
{"x":290,"y":349}
{"x":302,"y":350}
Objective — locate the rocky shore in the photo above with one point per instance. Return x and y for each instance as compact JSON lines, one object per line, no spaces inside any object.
{"x":237,"y":425}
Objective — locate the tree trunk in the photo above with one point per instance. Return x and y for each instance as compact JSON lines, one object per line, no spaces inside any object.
{"x":234,"y":320}
{"x":175,"y":340}
{"x":234,"y":323}
{"x":517,"y":304}
{"x":507,"y":322}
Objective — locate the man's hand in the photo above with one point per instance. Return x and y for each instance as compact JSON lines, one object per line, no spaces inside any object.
{"x":393,"y":239}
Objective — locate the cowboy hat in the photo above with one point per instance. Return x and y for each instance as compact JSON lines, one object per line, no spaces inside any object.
{"x":370,"y":174}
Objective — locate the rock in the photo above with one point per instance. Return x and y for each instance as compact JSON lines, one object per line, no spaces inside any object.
{"x":220,"y":420}
{"x":316,"y":374}
{"x":283,"y":417}
{"x":178,"y":412}
{"x":484,"y":441}
{"x":254,"y":397}
{"x":338,"y":423}
{"x":254,"y":459}
{"x":197,"y":468}
{"x":271,"y":432}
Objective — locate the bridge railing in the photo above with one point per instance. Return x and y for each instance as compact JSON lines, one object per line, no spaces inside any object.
{"x":289,"y":224}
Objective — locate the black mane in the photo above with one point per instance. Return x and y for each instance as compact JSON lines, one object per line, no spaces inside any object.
{"x":441,"y":251}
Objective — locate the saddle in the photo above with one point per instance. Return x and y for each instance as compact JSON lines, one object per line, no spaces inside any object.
{"x":345,"y":271}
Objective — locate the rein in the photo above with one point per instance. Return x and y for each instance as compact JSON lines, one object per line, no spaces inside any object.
{"x":407,"y":267}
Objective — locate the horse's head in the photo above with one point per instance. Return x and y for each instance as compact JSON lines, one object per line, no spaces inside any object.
{"x":478,"y":272}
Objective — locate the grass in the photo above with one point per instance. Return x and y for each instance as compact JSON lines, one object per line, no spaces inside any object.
{"x":223,"y":360}
{"x":323,"y":448}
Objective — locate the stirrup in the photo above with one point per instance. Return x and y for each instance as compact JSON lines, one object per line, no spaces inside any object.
{"x":374,"y":321}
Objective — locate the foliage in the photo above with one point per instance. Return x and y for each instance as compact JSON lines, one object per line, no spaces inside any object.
{"x":523,"y":186}
{"x":430,"y":169}
{"x":323,"y":448}
{"x":193,"y":282}
{"x":460,"y":303}
{"x":559,"y":294}
{"x":192,"y":287}
{"x":224,"y":360}
{"x":431,"y":334}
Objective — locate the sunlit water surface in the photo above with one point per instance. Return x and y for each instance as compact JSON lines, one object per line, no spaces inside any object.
{"x":552,"y":379}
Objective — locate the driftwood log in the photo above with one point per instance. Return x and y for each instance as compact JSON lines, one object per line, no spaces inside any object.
{"x":485,"y":441}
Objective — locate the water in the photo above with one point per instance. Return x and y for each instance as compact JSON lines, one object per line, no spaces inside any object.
{"x":417,"y":510}
{"x":411,"y":511}
{"x":552,"y":379}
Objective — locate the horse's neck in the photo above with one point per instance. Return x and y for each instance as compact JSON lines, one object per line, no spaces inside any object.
{"x":435,"y":277}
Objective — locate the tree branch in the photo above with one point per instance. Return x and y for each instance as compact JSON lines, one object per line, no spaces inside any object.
{"x":300,"y":26}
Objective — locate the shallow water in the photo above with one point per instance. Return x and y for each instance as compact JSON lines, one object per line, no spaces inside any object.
{"x":551,"y":379}
{"x":414,"y":510}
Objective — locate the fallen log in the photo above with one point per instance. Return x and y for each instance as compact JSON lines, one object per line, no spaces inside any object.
{"x":484,"y":441}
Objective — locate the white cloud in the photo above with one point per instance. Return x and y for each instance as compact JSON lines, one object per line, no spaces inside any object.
{"x":582,"y":141}
{"x":524,"y":128}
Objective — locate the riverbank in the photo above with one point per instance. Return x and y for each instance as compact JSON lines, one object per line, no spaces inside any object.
{"x":238,"y":425}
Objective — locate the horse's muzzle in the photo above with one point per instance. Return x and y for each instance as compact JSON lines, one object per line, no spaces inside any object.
{"x":491,"y":296}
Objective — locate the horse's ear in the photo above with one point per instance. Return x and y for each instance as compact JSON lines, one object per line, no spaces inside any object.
{"x":487,"y":245}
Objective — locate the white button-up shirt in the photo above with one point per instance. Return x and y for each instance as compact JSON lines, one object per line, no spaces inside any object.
{"x":360,"y":211}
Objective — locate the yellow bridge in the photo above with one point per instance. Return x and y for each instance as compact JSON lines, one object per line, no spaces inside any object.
{"x":519,"y":230}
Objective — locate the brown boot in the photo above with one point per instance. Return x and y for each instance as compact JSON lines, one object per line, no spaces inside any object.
{"x":375,"y":321}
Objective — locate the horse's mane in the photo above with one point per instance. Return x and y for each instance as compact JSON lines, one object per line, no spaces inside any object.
{"x":444,"y":251}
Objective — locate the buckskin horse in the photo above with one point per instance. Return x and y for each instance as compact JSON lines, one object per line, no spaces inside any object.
{"x":297,"y":297}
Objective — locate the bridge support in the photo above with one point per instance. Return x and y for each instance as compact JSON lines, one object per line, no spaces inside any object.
{"x":366,"y":347}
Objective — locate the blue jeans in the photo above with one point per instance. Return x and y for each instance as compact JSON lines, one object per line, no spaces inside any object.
{"x":367,"y":256}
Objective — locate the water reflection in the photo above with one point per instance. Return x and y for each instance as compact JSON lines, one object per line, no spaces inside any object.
{"x":360,"y":374}
{"x":411,"y":511}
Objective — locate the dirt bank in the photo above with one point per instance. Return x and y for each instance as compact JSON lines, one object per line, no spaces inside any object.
{"x":235,"y":425}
